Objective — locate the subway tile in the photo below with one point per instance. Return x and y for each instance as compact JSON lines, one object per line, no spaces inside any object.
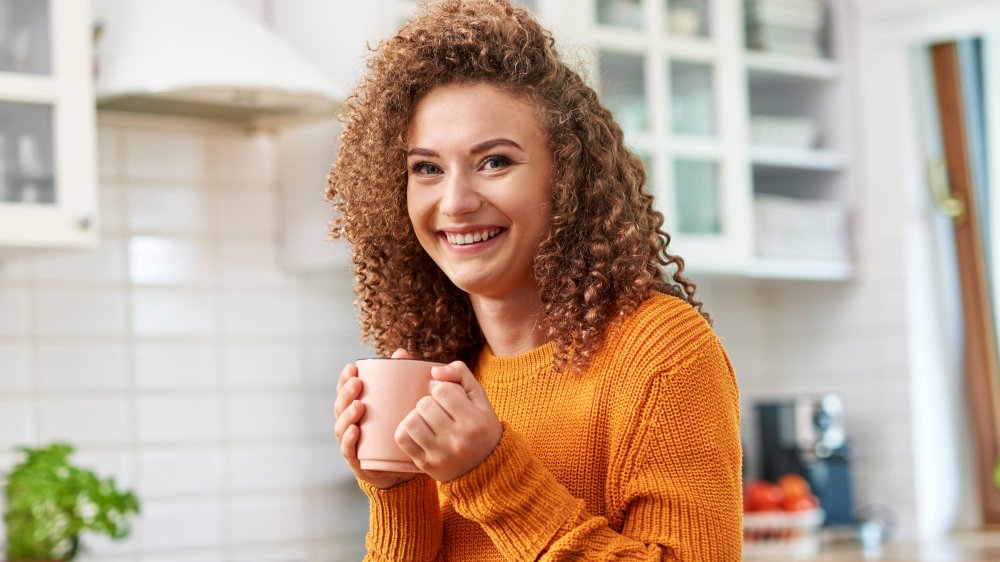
{"x":172,"y":471}
{"x":340,"y":511}
{"x":14,"y":268}
{"x":189,"y":555}
{"x":263,"y":519}
{"x":156,"y":260}
{"x":17,"y":425}
{"x":320,"y":410}
{"x":190,"y":418}
{"x":161,"y":312}
{"x":253,"y":263}
{"x":325,"y":359}
{"x":108,"y":157}
{"x":261,"y":314}
{"x":275,"y":553}
{"x":164,"y":365}
{"x":168,"y":155}
{"x":332,"y":315}
{"x":262,"y":364}
{"x":15,"y":367}
{"x":98,"y":548}
{"x":179,"y":524}
{"x":327,"y":466}
{"x":85,"y":420}
{"x":82,"y":366}
{"x":14,"y":318}
{"x":167,"y":208}
{"x":244,"y":212}
{"x":244,"y":159}
{"x":108,"y":463}
{"x":111,"y":205}
{"x":349,"y":546}
{"x":61,"y":312}
{"x":271,"y":415}
{"x":103,"y":264}
{"x":268,"y":467}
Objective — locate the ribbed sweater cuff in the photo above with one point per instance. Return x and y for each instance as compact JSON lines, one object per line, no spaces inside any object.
{"x":405,"y":520}
{"x":514,"y":497}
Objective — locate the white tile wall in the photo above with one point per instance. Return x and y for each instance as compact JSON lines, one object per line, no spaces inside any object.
{"x":181,"y":359}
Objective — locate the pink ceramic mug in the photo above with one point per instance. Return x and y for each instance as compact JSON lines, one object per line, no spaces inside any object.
{"x":391,"y":389}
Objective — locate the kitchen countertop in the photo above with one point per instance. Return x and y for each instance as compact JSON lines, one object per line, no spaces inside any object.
{"x":960,"y":547}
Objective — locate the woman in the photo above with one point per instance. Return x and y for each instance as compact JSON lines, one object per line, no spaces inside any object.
{"x":499,"y":225}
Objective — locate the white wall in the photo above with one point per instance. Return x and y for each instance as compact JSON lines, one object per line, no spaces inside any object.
{"x":183,"y":360}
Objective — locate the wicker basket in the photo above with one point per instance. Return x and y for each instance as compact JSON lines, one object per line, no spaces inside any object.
{"x":781,"y":533}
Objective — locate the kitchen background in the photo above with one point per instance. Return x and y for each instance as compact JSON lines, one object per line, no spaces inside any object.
{"x":192,"y":351}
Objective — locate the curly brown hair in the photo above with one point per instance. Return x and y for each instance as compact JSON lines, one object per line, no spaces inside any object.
{"x":605,"y":252}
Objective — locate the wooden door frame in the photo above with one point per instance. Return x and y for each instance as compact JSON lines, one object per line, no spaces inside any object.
{"x":981,"y":366}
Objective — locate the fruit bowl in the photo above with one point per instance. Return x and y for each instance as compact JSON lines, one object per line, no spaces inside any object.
{"x":769,"y":533}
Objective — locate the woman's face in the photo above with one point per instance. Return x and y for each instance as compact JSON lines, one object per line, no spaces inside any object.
{"x":478,"y":189}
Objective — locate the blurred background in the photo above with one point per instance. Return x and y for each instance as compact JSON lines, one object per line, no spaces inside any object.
{"x":170,"y":304}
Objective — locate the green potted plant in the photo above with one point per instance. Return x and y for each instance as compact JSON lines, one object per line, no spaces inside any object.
{"x":49,"y":502}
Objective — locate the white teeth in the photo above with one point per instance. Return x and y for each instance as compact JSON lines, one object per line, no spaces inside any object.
{"x":471,"y":237}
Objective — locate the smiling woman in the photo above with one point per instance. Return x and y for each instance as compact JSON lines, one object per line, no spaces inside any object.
{"x":499,"y":223}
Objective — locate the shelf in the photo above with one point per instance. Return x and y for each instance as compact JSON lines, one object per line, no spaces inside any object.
{"x":691,"y":49}
{"x":791,"y":66}
{"x":695,"y":147}
{"x":28,"y":88}
{"x":801,"y":269}
{"x":796,"y":158}
{"x":622,"y":40}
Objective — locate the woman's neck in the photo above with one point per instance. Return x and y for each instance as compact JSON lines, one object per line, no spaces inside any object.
{"x":510,"y":324}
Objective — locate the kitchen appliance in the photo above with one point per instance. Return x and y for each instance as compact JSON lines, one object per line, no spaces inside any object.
{"x":805,"y":435}
{"x":203,"y":58}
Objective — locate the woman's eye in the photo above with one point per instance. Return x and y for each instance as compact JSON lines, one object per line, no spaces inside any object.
{"x":425,"y":168}
{"x":496,"y":162}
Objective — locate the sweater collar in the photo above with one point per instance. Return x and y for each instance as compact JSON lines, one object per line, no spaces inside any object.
{"x":515,"y":367}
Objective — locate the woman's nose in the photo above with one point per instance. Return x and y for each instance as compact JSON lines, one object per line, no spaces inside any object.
{"x":460,"y":196}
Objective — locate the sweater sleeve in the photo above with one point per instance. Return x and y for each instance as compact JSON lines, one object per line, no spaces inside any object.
{"x":404,"y":521}
{"x":679,"y":483}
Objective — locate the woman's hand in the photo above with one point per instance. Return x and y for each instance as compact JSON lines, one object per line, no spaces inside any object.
{"x":454,"y":429}
{"x":349,"y":410}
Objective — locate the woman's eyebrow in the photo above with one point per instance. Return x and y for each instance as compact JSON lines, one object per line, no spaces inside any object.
{"x":421,"y":152}
{"x":478,"y":148}
{"x":492,"y":143}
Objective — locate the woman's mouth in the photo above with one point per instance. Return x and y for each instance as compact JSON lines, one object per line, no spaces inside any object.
{"x":466,"y":238}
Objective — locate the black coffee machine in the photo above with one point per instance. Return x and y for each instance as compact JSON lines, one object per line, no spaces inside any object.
{"x":805,"y":436}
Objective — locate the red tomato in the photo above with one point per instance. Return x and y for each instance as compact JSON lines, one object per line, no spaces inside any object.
{"x":760,"y":495}
{"x":803,"y":503}
{"x":794,"y":486}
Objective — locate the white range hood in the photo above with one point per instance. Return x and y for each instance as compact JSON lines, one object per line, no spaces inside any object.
{"x":202,"y":58}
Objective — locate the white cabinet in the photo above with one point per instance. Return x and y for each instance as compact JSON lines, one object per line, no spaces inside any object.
{"x":740,"y":110}
{"x":48,"y":195}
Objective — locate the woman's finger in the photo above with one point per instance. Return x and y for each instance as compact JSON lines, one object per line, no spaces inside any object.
{"x":349,"y":371}
{"x":350,"y":392}
{"x":349,"y":417}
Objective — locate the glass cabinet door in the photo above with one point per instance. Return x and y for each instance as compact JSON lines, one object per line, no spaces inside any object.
{"x":25,"y":36}
{"x":623,"y":89}
{"x":48,"y":192}
{"x":620,"y":13}
{"x":688,"y":18}
{"x":697,"y":198}
{"x":26,"y":170}
{"x":692,"y":98}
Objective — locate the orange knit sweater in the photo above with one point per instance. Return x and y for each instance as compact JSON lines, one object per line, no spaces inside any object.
{"x":638,"y":458}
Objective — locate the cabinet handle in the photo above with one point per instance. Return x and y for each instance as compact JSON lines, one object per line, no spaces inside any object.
{"x":85,"y":223}
{"x":944,"y":198}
